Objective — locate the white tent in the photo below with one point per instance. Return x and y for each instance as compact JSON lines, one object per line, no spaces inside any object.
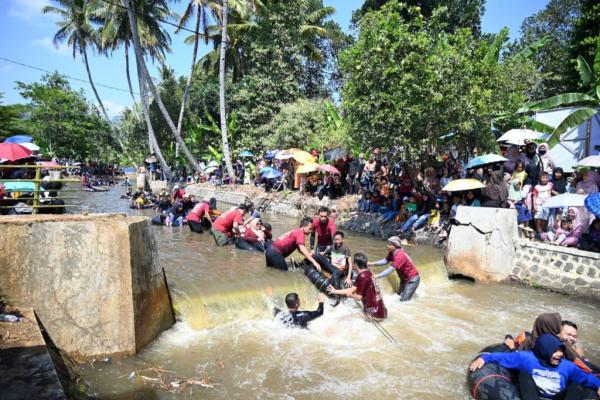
{"x":575,"y":143}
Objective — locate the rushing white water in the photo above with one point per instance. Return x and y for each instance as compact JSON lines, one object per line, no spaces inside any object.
{"x":224,"y":298}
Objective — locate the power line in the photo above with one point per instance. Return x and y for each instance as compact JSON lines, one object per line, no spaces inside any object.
{"x":68,"y":76}
{"x":179,"y":27}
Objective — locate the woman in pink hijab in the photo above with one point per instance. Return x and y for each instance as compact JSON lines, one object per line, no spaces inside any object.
{"x":579,"y":227}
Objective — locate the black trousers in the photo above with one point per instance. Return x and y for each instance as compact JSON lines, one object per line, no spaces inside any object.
{"x":336,"y":274}
{"x":245,"y":245}
{"x":275,"y":260}
{"x":195,"y":227}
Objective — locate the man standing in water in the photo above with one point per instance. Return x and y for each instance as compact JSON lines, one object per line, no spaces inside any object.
{"x":294,"y":317}
{"x":401,"y":262}
{"x":287,"y":243}
{"x":365,"y":289}
{"x":324,"y":228}
{"x":227,"y":226}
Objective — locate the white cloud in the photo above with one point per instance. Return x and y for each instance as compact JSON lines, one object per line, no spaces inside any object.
{"x":26,"y":9}
{"x":112,"y":109}
{"x":46,"y":42}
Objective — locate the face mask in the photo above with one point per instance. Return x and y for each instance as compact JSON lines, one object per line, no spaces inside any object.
{"x":542,"y":152}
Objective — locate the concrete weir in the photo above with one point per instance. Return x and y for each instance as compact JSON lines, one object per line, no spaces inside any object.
{"x":93,"y":280}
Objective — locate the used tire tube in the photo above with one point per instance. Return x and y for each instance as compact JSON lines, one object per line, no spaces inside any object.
{"x":317,"y":278}
{"x":492,"y":381}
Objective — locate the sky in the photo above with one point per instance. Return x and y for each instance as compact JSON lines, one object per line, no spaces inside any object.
{"x":26,"y":37}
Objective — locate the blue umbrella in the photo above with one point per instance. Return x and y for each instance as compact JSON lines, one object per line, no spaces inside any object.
{"x":592,"y":203}
{"x":19,"y":139}
{"x":271,"y":153}
{"x":273,"y":174}
{"x":246,"y":153}
{"x":19,"y":186}
{"x":265,"y":170}
{"x":485,"y":159}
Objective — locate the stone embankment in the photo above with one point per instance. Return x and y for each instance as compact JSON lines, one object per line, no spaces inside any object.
{"x":291,"y":204}
{"x":93,"y":280}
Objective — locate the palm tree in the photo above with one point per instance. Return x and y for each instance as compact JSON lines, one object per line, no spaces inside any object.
{"x":224,"y":138}
{"x":201,"y":8}
{"x":77,"y":29}
{"x":147,"y":79}
{"x":587,"y":103}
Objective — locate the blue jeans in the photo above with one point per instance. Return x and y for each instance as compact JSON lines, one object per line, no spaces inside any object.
{"x":390,"y":215}
{"x":411,"y":220}
{"x":421,"y":221}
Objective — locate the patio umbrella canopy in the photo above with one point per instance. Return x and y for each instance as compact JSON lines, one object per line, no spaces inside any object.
{"x":566,"y":200}
{"x":271,"y":154}
{"x":328,"y":168}
{"x":460,"y":185}
{"x":13,"y":151}
{"x":519,"y":136}
{"x":592,"y":203}
{"x":246,"y":153}
{"x":306,"y":168}
{"x":19,"y":139}
{"x":265,"y":170}
{"x":30,"y":146}
{"x":303,"y":157}
{"x":591,"y":161}
{"x":19,"y":186}
{"x":485,"y":159}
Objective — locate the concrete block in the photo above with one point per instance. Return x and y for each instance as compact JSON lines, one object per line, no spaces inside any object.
{"x":580,"y":269}
{"x":482,"y":245}
{"x":94,"y":280}
{"x":580,"y":282}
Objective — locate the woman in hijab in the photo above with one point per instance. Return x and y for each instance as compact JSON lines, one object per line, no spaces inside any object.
{"x":496,"y":191}
{"x":546,"y":159}
{"x":559,"y":182}
{"x":586,"y":185}
{"x":579,"y":227}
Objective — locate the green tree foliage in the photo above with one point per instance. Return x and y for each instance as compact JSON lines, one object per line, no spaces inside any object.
{"x":11,"y":122}
{"x":302,"y":124}
{"x":63,"y":123}
{"x":461,"y":13}
{"x":410,"y":82}
{"x":556,"y":23}
{"x":587,"y":31}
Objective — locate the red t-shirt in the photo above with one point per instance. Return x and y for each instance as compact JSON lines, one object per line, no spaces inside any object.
{"x":371,"y":295}
{"x":225,"y":222}
{"x":198,"y":212}
{"x":404,"y":266}
{"x":288,"y":242}
{"x":250,"y":236}
{"x":324,"y":231}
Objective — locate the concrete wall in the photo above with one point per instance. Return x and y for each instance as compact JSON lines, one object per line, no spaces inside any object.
{"x":93,"y":280}
{"x":485,"y":246}
{"x":200,"y":192}
{"x":561,"y":269}
{"x":483,"y":243}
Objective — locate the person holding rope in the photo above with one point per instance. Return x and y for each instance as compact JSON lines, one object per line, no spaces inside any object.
{"x":401,"y":262}
{"x":364,"y":289}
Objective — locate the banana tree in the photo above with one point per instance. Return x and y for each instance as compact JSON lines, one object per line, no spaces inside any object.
{"x":587,"y":103}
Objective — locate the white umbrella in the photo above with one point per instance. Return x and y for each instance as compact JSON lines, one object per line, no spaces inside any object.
{"x":31,"y":146}
{"x":210,"y":170}
{"x":518,"y":136}
{"x":213,"y":163}
{"x":591,"y":161}
{"x":566,"y":200}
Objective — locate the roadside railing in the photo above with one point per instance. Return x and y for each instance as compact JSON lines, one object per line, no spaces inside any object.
{"x":37,"y":187}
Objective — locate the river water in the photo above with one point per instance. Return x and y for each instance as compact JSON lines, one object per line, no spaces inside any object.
{"x":224,"y":299}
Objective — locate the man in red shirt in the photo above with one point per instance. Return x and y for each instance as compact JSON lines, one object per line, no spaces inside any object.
{"x":365,"y":289}
{"x":199,"y":216}
{"x":227,"y":227}
{"x":324,"y":228}
{"x":401,"y":262}
{"x":287,"y":243}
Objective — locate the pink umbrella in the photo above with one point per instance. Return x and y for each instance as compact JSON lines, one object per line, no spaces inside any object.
{"x":13,"y":151}
{"x":328,"y":168}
